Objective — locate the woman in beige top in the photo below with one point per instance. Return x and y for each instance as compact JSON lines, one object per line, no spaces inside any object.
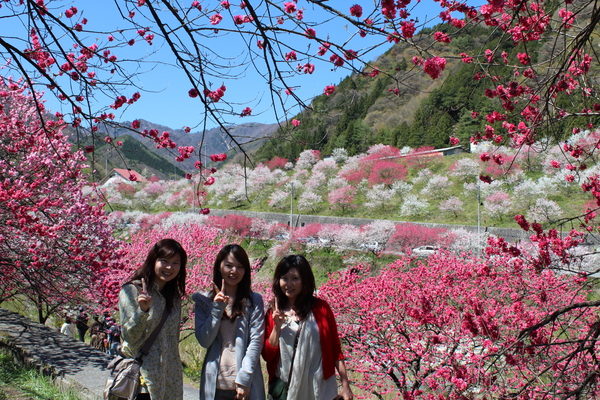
{"x":155,"y":287}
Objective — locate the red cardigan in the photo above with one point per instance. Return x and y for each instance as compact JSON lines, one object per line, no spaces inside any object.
{"x":331,"y":348}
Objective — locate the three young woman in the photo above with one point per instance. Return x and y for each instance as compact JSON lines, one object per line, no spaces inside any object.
{"x":302,"y":347}
{"x":230,"y":325}
{"x":156,"y":287}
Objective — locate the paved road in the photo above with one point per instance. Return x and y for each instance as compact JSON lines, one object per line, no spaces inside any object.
{"x":75,"y":363}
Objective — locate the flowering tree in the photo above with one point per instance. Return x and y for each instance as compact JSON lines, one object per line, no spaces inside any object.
{"x":343,"y":197}
{"x":55,"y":243}
{"x":407,"y":236}
{"x":536,"y":69}
{"x":453,"y":328}
{"x":452,"y":205}
{"x":497,"y":205}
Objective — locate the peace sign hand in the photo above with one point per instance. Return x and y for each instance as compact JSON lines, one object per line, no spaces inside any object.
{"x":220,"y":296}
{"x":144,"y":299}
{"x":278,"y":315}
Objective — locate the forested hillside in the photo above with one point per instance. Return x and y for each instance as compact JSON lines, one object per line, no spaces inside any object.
{"x":418,"y":111}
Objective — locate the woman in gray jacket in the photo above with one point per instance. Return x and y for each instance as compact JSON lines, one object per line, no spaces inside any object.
{"x":230,"y":325}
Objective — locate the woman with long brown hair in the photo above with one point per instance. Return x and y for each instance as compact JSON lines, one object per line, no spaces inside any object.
{"x":156,"y":288}
{"x":230,"y":325}
{"x":302,"y":348}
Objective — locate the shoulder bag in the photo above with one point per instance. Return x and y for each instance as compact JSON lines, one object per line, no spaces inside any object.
{"x":278,"y":387}
{"x":124,"y":379}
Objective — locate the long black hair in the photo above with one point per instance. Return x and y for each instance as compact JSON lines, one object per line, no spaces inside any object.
{"x":306,"y":299}
{"x":243,"y":292}
{"x":165,"y":248}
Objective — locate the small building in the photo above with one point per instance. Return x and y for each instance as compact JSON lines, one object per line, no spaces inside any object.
{"x":118,"y":175}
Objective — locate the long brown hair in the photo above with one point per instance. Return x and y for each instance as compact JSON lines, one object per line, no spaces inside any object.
{"x":306,"y":299}
{"x":165,"y":248}
{"x":243,"y":292}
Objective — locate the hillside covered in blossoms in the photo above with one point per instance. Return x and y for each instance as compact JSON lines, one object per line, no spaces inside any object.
{"x":406,"y":184}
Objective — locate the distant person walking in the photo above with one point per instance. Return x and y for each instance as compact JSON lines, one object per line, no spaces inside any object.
{"x":68,"y":328}
{"x":96,"y":335}
{"x":156,"y":288}
{"x":82,"y":323}
{"x":114,"y":339}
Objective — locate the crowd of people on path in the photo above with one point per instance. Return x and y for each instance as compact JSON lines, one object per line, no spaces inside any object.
{"x":104,"y":332}
{"x":296,"y":335}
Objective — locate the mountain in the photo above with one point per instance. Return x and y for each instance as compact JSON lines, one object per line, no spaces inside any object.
{"x":400,"y":105}
{"x":215,"y":140}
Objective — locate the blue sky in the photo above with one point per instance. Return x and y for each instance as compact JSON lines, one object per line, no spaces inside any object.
{"x":165,"y":100}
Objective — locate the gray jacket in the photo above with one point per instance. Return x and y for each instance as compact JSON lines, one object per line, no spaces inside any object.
{"x":250,"y":331}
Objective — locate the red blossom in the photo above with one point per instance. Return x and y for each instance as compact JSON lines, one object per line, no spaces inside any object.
{"x":356,"y":11}
{"x":329,"y":89}
{"x":434,"y":66}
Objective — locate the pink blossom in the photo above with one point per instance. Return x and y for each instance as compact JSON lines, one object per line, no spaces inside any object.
{"x":295,"y":122}
{"x":289,"y":7}
{"x":310,"y":33}
{"x":416,"y":60}
{"x":290,"y":56}
{"x":523,"y":58}
{"x":209,"y":181}
{"x":135,"y":124}
{"x":408,"y":29}
{"x":356,"y":11}
{"x":329,"y":89}
{"x":454,"y":141}
{"x":336,"y":60}
{"x":215,"y":19}
{"x":70,"y":12}
{"x":246,"y":111}
{"x":441,"y":37}
{"x":218,"y":157}
{"x":323,"y":49}
{"x":434,"y":66}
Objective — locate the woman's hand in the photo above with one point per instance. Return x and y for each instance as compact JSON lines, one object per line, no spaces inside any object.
{"x":278,"y":318}
{"x":220,"y":295}
{"x":278,"y":315}
{"x":346,"y":394}
{"x":242,"y":392}
{"x":144,"y":299}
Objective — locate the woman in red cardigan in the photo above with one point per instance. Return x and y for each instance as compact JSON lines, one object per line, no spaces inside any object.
{"x":302,"y":348}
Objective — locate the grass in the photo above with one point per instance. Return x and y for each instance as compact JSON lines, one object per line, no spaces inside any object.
{"x":21,"y":383}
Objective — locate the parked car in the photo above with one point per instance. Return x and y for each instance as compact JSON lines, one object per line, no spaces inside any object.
{"x":424,"y":251}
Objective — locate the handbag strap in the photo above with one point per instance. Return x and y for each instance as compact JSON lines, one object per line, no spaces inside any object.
{"x":294,"y":353}
{"x":148,"y":343}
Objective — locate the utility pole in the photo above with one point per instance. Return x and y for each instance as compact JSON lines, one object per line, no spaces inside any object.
{"x":478,"y":218}
{"x":291,"y":207}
